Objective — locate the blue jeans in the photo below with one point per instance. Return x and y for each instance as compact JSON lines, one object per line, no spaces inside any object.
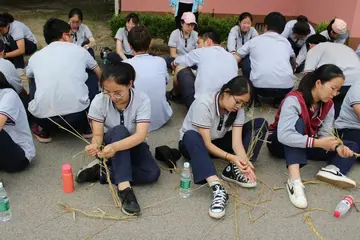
{"x":301,"y":155}
{"x":192,"y":147}
{"x":135,"y":165}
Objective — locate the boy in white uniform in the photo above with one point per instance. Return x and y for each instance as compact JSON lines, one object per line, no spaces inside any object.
{"x":151,"y":76}
{"x":67,"y":94}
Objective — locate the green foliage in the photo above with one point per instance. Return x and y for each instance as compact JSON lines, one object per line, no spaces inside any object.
{"x":321,"y":27}
{"x":161,"y":26}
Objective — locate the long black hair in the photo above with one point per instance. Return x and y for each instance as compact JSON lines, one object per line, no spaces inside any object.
{"x":122,"y":73}
{"x":4,"y":82}
{"x":6,"y":19}
{"x":325,"y":73}
{"x":244,"y":15}
{"x":237,"y":86}
{"x":329,"y":27}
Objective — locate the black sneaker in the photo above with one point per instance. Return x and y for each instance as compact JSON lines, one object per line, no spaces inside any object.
{"x":219,"y":202}
{"x":129,"y":204}
{"x":90,"y":173}
{"x":233,"y":174}
{"x":40,"y":134}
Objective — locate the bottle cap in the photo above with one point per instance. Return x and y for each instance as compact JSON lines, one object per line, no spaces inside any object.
{"x":337,"y":214}
{"x":186,"y":165}
{"x":66,"y":168}
{"x":1,"y":185}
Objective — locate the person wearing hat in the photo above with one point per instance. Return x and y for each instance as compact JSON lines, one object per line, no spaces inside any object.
{"x":183,"y":40}
{"x":179,"y":7}
{"x":321,"y":52}
{"x":336,"y":31}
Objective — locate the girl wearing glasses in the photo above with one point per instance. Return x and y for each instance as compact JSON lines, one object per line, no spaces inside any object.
{"x":81,"y":34}
{"x":214,"y":126}
{"x":183,"y":40}
{"x":18,"y":39}
{"x":120,"y":118}
{"x":302,"y":130}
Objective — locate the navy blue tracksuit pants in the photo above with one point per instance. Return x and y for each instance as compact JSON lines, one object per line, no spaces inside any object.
{"x":135,"y":165}
{"x":301,"y":155}
{"x":192,"y":147}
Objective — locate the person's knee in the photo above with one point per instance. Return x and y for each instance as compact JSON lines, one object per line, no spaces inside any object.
{"x":261,"y":123}
{"x":120,"y":132}
{"x":154,"y":175}
{"x":352,"y":145}
{"x":190,"y":136}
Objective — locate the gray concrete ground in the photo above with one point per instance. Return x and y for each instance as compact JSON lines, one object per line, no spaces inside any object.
{"x":35,"y":192}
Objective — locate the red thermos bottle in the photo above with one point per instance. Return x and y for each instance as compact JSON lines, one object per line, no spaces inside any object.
{"x":67,"y":178}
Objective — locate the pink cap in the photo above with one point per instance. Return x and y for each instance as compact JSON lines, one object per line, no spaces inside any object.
{"x":66,"y":168}
{"x":337,"y":214}
{"x":188,"y":17}
{"x":339,"y":26}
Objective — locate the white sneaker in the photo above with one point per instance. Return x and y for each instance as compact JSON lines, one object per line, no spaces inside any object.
{"x":332,"y":174}
{"x":296,"y":192}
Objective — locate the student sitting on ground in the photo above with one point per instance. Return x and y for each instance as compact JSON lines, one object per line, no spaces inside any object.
{"x":348,"y":122}
{"x":60,"y":85}
{"x":16,"y":143}
{"x":18,"y":39}
{"x":301,"y":131}
{"x":270,"y":54}
{"x":130,"y":159}
{"x":123,"y":49}
{"x":322,"y":52}
{"x":297,"y":31}
{"x":184,"y":40}
{"x":215,"y":126}
{"x":151,"y":76}
{"x":214,"y":67}
{"x":241,"y":33}
{"x":81,"y":34}
{"x":336,"y":31}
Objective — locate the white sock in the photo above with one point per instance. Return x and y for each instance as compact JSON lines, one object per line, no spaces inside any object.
{"x":215,"y":182}
{"x":293,"y":180}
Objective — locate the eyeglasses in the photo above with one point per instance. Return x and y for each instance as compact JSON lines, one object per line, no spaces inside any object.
{"x":337,"y":92}
{"x":240,"y":103}
{"x":116,"y":95}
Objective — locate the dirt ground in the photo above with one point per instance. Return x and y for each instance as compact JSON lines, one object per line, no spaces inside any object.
{"x":34,"y":14}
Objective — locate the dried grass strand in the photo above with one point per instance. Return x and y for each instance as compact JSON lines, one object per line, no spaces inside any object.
{"x":312,"y":227}
{"x":309,"y":210}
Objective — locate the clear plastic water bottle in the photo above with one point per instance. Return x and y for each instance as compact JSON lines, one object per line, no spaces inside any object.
{"x":5,"y":211}
{"x":105,"y":58}
{"x":185,"y":181}
{"x":344,"y":206}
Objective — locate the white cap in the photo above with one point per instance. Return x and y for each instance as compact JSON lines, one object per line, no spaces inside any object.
{"x":1,"y":185}
{"x":186,"y":165}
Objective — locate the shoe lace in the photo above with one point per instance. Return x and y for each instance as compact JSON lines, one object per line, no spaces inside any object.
{"x":299,"y":189}
{"x":239,"y":175}
{"x":219,"y":197}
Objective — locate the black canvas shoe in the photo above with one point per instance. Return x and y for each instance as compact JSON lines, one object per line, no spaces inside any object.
{"x":40,"y":134}
{"x":219,"y":202}
{"x":129,"y":204}
{"x":233,"y":174}
{"x":90,"y":173}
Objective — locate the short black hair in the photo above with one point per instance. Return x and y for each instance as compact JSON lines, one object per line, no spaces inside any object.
{"x":120,"y":72}
{"x":54,"y":29}
{"x":2,"y":45}
{"x":139,"y":38}
{"x":134,"y":17}
{"x":210,"y":33}
{"x":76,"y":11}
{"x":245,"y":15}
{"x":6,"y":19}
{"x":315,"y":39}
{"x":275,"y":21}
{"x":301,"y":28}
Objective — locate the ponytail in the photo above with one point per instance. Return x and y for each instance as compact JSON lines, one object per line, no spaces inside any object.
{"x":302,"y":18}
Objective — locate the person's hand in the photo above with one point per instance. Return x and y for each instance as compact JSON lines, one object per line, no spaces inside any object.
{"x":344,"y":151}
{"x":173,"y":65}
{"x":92,"y":150}
{"x":251,"y":166}
{"x":327,"y":143}
{"x":249,"y":174}
{"x":173,"y":10}
{"x":107,"y":152}
{"x":241,"y":163}
{"x":200,"y":8}
{"x":86,"y":47}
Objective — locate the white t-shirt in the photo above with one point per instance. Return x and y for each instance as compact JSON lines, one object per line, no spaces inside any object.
{"x":122,"y":35}
{"x":17,"y":125}
{"x":18,"y":31}
{"x":338,"y":54}
{"x":325,"y":33}
{"x":81,"y":35}
{"x":151,"y":78}
{"x":270,"y":55}
{"x":9,"y":70}
{"x":348,"y":118}
{"x":60,"y":74}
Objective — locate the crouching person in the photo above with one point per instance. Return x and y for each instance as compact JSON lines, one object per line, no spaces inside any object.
{"x":130,"y":159}
{"x":302,"y":130}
